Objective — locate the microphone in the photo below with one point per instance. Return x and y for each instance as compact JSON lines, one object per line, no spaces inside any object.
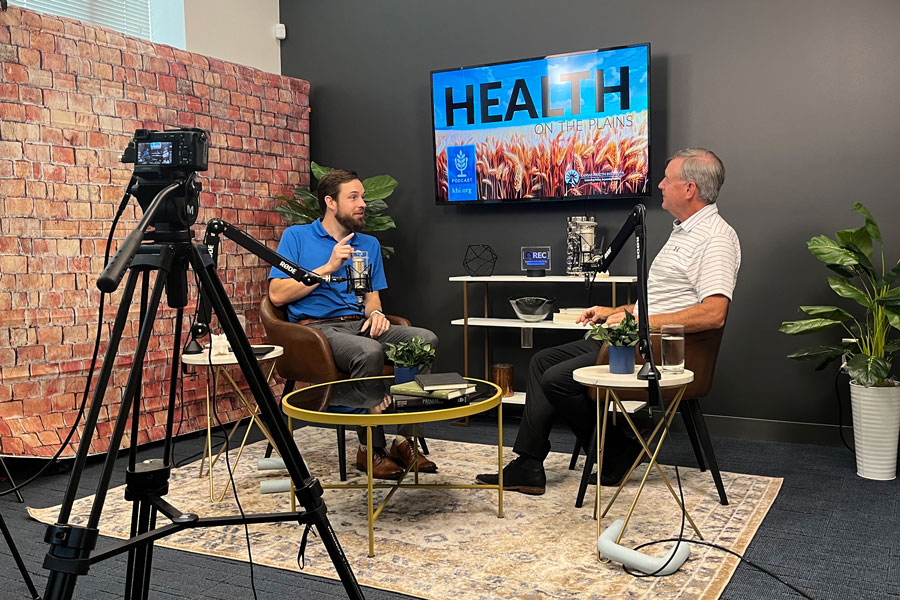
{"x":359,"y":276}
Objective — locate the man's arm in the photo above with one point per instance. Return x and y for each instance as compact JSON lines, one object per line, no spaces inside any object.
{"x":601,"y":313}
{"x":284,"y":291}
{"x":376,"y":323}
{"x":709,"y":314}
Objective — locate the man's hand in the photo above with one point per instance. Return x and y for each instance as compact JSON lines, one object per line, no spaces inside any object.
{"x":376,"y":324}
{"x":594,"y":314}
{"x":381,"y":407}
{"x":340,"y":253}
{"x":615,"y":318}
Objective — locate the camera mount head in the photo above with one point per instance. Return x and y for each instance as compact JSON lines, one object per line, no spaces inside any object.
{"x":162,"y":158}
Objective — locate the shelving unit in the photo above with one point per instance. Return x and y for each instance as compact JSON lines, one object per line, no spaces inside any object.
{"x":526,"y":327}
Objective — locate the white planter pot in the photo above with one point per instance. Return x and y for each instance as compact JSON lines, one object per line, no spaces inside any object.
{"x":876,"y":430}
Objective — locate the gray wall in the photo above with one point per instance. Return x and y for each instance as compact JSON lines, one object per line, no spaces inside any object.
{"x":798,"y":98}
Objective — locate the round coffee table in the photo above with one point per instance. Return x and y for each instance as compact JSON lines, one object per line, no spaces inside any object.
{"x":348,"y":402}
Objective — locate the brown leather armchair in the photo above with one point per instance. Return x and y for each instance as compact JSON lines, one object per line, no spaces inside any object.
{"x":307,"y":357}
{"x":701,"y":351}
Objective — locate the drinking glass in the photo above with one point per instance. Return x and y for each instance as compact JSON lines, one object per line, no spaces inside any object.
{"x":672,"y":348}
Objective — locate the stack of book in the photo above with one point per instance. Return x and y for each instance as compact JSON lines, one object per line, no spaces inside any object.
{"x":567,"y":316}
{"x":432,"y":391}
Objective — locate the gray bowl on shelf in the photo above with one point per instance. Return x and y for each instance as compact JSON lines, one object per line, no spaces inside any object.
{"x":532,"y":308}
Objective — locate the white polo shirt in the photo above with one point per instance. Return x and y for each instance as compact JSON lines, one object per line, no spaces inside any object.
{"x":700,"y":259}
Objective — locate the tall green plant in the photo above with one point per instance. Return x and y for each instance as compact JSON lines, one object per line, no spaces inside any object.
{"x":303,"y":207}
{"x":850,"y":256}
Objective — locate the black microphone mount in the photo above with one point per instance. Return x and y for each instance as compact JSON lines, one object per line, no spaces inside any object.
{"x":634,"y":225}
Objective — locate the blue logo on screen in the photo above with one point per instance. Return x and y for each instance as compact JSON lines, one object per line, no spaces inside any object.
{"x":462,"y":182}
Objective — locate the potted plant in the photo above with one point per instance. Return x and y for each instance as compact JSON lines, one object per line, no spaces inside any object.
{"x":408,"y":357}
{"x":303,"y":207}
{"x":621,"y":339}
{"x":874,"y":393}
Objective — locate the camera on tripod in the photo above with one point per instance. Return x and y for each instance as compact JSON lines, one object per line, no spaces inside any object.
{"x":161,"y":152}
{"x":162,"y":159}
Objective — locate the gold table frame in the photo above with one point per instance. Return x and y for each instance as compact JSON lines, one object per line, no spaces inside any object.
{"x":220,"y":364}
{"x":598,"y":376}
{"x":408,"y":418}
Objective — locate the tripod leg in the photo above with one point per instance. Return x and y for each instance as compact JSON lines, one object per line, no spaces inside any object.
{"x":307,"y":488}
{"x":12,"y":482}
{"x":18,"y":558}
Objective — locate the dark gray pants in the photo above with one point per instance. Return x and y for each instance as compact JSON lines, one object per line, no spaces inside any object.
{"x":359,"y":355}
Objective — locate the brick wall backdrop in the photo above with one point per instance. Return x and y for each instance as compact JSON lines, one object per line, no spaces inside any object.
{"x":71,"y":95}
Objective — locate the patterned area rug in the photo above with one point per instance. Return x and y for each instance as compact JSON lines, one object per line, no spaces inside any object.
{"x":440,"y":544}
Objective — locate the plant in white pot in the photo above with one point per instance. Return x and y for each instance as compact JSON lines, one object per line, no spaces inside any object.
{"x":874,"y":393}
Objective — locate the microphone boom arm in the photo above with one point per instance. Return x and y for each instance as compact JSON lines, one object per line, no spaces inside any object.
{"x":215,"y":229}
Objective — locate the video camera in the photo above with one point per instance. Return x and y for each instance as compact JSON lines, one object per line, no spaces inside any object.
{"x":164,"y":158}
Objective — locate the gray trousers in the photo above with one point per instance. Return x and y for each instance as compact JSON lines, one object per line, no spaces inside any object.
{"x":359,"y":355}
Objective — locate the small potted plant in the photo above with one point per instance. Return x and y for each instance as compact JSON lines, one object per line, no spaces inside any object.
{"x":874,"y":393}
{"x":621,"y":339}
{"x":408,"y":357}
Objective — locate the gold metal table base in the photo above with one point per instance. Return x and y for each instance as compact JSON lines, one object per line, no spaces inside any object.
{"x":370,"y":486}
{"x":248,"y":409}
{"x":663,"y":425}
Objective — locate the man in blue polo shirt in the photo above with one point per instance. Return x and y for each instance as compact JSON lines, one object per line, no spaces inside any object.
{"x":357,"y":335}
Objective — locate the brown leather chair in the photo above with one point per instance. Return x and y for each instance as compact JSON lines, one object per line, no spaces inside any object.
{"x":307,"y":358}
{"x":701,"y":350}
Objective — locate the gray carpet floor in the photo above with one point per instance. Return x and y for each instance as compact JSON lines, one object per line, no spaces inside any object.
{"x":830,"y":533}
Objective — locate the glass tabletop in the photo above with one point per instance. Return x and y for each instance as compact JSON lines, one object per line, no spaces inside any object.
{"x":370,"y":401}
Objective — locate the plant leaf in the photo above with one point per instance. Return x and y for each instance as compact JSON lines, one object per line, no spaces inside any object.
{"x":843,"y":271}
{"x":858,"y":238}
{"x":893,"y":275}
{"x":318,"y":170}
{"x":807,"y":326}
{"x":845,"y":289}
{"x":830,"y":252}
{"x":817,"y":352}
{"x":892,"y":317}
{"x":868,"y":370}
{"x":871,"y":225}
{"x":379,"y":187}
{"x":827,"y":312}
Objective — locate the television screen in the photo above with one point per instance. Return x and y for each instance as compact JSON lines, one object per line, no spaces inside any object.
{"x":562,"y":127}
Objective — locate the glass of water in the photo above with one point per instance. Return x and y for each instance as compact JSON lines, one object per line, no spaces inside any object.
{"x":672,"y":348}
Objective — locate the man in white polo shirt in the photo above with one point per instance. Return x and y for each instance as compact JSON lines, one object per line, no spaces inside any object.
{"x":691,"y":283}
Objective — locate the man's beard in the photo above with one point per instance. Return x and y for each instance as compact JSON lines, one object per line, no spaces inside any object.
{"x":350,"y":222}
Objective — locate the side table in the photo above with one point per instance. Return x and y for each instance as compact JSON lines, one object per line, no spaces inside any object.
{"x":219,"y":367}
{"x":598,"y":376}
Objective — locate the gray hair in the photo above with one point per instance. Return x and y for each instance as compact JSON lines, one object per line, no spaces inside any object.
{"x":705,"y":169}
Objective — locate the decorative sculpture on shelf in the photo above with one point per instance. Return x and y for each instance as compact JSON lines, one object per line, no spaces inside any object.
{"x":480,"y":260}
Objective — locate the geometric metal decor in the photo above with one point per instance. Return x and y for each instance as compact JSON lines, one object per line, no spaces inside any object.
{"x":480,"y":260}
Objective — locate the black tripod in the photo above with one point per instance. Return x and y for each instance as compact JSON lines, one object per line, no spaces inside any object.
{"x":12,"y":544}
{"x":170,"y":252}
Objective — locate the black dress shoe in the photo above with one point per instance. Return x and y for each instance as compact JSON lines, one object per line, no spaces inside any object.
{"x":620,"y":455}
{"x":525,"y":475}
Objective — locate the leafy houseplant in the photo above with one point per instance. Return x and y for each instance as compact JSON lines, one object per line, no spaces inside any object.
{"x":871,"y":354}
{"x":621,"y":339}
{"x":303,"y":207}
{"x":408,"y":357}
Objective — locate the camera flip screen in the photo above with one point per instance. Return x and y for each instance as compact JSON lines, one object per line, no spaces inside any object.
{"x":154,"y":153}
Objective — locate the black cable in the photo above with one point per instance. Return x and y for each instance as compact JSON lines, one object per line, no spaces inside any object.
{"x":87,"y":386}
{"x":680,"y":539}
{"x":837,"y":393}
{"x":237,"y":500}
{"x":733,"y":553}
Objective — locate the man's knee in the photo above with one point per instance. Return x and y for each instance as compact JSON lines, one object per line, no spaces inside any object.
{"x":369,"y":359}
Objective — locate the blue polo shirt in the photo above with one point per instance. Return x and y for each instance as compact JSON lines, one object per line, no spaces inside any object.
{"x":310,"y":247}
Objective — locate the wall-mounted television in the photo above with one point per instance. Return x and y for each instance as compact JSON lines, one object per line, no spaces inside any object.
{"x":561,"y":127}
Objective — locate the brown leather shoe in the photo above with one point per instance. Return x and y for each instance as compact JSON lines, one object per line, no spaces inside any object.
{"x":382,"y":465}
{"x":404,"y":454}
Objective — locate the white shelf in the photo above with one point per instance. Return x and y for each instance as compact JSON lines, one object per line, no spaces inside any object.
{"x":601,"y":278}
{"x":517,"y":323}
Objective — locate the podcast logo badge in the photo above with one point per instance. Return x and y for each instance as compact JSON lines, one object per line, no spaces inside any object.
{"x":462,"y":181}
